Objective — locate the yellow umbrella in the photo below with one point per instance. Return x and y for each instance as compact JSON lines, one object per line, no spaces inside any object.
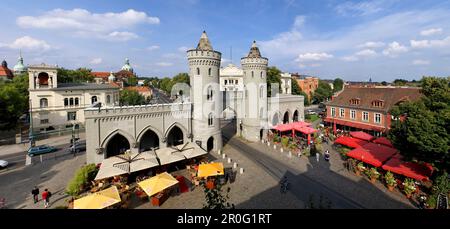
{"x":157,"y":183}
{"x":212,"y":169}
{"x":98,"y":200}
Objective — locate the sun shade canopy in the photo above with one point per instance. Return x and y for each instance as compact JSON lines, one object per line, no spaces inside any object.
{"x":372,"y":153}
{"x":157,"y":183}
{"x":413,"y":170}
{"x":350,"y":142}
{"x":383,"y":141}
{"x":98,"y":200}
{"x":361,"y":135}
{"x":212,"y":169}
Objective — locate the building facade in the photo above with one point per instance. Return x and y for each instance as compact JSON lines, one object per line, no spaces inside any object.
{"x":367,"y":109}
{"x":56,"y":105}
{"x":196,"y":118}
{"x":5,"y":73}
{"x":308,"y":84}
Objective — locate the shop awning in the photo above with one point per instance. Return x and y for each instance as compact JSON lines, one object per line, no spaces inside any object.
{"x":362,"y":135}
{"x":413,"y":170}
{"x":383,"y":141}
{"x":357,"y":125}
{"x":350,"y":142}
{"x":283,"y":127}
{"x":372,"y":153}
{"x":301,"y":124}
{"x":98,"y":200}
{"x":157,"y":183}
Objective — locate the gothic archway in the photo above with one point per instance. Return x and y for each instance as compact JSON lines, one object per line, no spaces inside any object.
{"x":295,"y":116}
{"x":210,"y":144}
{"x":275,"y":119}
{"x":286,"y":117}
{"x":118,"y":144}
{"x":175,"y":136}
{"x":148,"y":141}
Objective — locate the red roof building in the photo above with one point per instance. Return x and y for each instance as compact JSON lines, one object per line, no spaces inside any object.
{"x":367,"y":109}
{"x":5,"y":72}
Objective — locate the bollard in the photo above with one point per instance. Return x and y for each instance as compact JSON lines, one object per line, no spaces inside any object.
{"x":262,"y":141}
{"x":27,"y":160}
{"x":268,"y":143}
{"x":40,"y":157}
{"x":229,"y":160}
{"x":235,"y":165}
{"x":290,"y":154}
{"x":281,"y":149}
{"x":274,"y":146}
{"x":218,"y":152}
{"x":241,"y":171}
{"x":224,"y":156}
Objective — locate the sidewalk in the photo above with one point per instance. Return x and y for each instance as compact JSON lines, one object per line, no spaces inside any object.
{"x":17,"y":148}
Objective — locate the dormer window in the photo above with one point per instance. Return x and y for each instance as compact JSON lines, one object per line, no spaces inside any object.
{"x":355,"y":101}
{"x":377,"y":103}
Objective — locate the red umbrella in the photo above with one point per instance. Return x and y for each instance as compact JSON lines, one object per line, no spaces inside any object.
{"x":413,"y":170}
{"x":361,"y":135}
{"x":383,"y":141}
{"x":350,"y":142}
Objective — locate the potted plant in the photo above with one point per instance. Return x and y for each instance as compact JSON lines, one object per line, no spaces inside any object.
{"x":409,"y":187}
{"x":373,"y":174}
{"x":360,"y":168}
{"x":390,"y":181}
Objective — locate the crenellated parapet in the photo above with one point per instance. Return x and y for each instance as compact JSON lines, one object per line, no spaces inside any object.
{"x":142,"y":110}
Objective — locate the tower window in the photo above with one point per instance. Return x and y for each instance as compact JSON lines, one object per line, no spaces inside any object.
{"x":209,"y":72}
{"x":253,"y":74}
{"x":198,"y":71}
{"x":43,"y":103}
{"x":211,"y":119}
{"x":209,"y":96}
{"x":261,"y":75}
{"x":261,"y":92}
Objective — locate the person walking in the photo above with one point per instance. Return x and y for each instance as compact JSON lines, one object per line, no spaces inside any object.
{"x":327,"y":155}
{"x":35,"y":193}
{"x":46,"y":197}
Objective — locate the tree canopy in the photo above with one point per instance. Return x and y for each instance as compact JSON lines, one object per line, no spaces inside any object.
{"x":273,"y":76}
{"x":167,"y":83}
{"x":296,"y":90}
{"x":13,"y":101}
{"x":322,"y":92}
{"x":80,"y":75}
{"x":130,"y":97}
{"x":424,"y":132}
{"x":338,"y":83}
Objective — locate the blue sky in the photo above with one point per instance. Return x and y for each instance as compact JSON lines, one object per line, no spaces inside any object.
{"x":355,"y":40}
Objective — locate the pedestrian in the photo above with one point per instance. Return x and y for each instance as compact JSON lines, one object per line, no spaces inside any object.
{"x":46,"y":197}
{"x":35,"y":193}
{"x":327,"y":155}
{"x":317,"y":156}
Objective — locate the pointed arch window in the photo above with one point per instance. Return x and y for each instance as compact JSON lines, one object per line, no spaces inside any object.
{"x":198,"y":71}
{"x":209,"y":72}
{"x":210,"y":119}
{"x":253,"y":74}
{"x":209,"y":95}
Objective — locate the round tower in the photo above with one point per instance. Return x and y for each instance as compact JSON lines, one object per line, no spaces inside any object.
{"x":253,"y":120}
{"x":204,"y":65}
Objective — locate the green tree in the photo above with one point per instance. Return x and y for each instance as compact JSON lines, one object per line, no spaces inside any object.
{"x":322,"y":92}
{"x":166,"y":84}
{"x":400,"y":82}
{"x":132,"y":81}
{"x":215,"y":199}
{"x":181,"y":78}
{"x":424,"y":132}
{"x":273,"y":76}
{"x":13,"y":103}
{"x":80,"y":75}
{"x":338,"y":83}
{"x":384,"y":83}
{"x":129,"y":97}
{"x":296,"y":90}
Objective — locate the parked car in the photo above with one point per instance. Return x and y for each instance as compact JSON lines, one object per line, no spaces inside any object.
{"x":311,"y":112}
{"x":78,"y":146}
{"x":37,"y":150}
{"x":3,"y":164}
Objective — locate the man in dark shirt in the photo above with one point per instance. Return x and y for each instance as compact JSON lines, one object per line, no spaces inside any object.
{"x":35,"y":193}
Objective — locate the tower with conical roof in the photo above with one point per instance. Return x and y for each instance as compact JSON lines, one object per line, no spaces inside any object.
{"x":204,"y":65}
{"x":254,"y":102}
{"x":20,"y":68}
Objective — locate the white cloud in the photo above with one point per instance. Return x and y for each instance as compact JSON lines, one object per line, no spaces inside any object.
{"x":28,"y":43}
{"x":183,"y":49}
{"x":430,"y":32}
{"x":366,"y":53}
{"x":152,"y":48}
{"x":359,"y":9}
{"x":394,"y":49}
{"x":121,"y":36}
{"x":421,"y":62}
{"x":350,"y":58}
{"x":164,"y":64}
{"x":299,"y":21}
{"x":372,"y":45}
{"x":306,"y":57}
{"x":87,"y":24}
{"x":96,"y":61}
{"x":430,"y":43}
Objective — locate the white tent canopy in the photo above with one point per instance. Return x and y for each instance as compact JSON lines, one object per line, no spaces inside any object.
{"x":126,"y":163}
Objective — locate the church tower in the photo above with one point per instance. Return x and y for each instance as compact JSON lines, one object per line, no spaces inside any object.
{"x":204,"y":65}
{"x":253,"y":120}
